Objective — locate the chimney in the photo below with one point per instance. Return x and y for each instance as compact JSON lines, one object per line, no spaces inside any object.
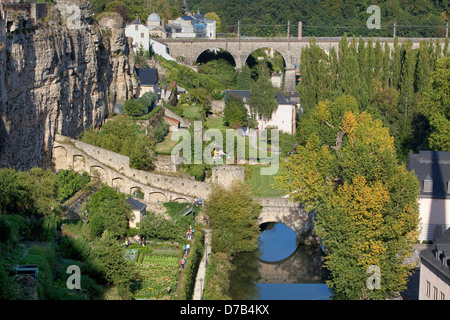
{"x":300,"y":26}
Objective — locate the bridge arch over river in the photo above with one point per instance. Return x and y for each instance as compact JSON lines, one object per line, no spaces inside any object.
{"x":113,"y":169}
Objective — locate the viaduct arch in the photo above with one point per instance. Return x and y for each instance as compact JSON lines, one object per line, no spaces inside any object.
{"x":240,"y":48}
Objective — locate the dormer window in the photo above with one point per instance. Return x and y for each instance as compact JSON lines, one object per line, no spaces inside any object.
{"x":428,"y":184}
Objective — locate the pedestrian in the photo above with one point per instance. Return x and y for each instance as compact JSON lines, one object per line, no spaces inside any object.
{"x":168,"y":289}
{"x":199,"y":201}
{"x":140,"y":242}
{"x":184,"y":248}
{"x":126,"y":243}
{"x":188,"y":247}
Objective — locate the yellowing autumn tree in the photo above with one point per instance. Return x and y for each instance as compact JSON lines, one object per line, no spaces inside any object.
{"x":365,"y":202}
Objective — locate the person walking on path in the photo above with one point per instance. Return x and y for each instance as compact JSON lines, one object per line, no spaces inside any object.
{"x":188,"y":247}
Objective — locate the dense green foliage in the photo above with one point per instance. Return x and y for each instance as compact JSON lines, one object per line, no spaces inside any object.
{"x":233,"y":213}
{"x":124,"y":136}
{"x":436,"y":106}
{"x":235,"y":113}
{"x":108,"y":211}
{"x":69,"y":182}
{"x":347,"y":170}
{"x":140,"y":106}
{"x":327,"y":18}
{"x":387,"y":83}
{"x":417,"y":18}
{"x":128,"y":9}
{"x":156,"y":226}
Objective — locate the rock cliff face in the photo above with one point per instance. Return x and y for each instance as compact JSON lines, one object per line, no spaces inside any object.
{"x":59,"y":74}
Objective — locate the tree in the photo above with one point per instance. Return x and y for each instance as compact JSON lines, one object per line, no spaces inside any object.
{"x":262,"y":94}
{"x":233,"y":214}
{"x":366,"y":203}
{"x":235,"y":113}
{"x":135,"y":108}
{"x":214,"y":16}
{"x":156,"y":226}
{"x":436,"y":106}
{"x":244,"y":79}
{"x":108,"y":211}
{"x":108,"y":258}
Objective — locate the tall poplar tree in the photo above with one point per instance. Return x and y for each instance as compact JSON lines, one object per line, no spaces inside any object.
{"x":262,"y":94}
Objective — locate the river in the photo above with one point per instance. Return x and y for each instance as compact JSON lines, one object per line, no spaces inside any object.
{"x":281,"y":269}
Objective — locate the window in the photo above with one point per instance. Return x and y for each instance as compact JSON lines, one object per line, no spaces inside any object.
{"x":142,"y":35}
{"x":442,"y":296}
{"x":435,"y":293}
{"x":427,"y":288}
{"x":136,"y":28}
{"x":428,"y":184}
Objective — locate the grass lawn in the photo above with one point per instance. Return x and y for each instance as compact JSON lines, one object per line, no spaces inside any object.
{"x":165,"y":146}
{"x":261,"y":184}
{"x":215,"y":123}
{"x":191,"y":111}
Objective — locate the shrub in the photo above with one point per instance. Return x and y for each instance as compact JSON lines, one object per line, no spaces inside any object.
{"x":187,"y":281}
{"x":69,"y":182}
{"x":155,"y":226}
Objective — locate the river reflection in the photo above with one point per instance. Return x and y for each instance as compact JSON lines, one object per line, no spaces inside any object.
{"x":280,"y":270}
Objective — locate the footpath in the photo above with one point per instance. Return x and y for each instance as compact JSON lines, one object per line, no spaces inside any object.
{"x":200,"y":279}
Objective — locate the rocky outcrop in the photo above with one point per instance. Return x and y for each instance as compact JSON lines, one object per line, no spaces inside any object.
{"x":59,"y":74}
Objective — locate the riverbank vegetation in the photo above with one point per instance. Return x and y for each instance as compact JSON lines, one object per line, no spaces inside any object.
{"x":233,"y":214}
{"x":354,"y":140}
{"x":36,"y":230}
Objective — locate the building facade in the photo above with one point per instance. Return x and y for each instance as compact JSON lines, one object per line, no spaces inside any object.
{"x":193,"y":26}
{"x":140,"y":35}
{"x":283,"y":118}
{"x":435,"y":270}
{"x":155,"y":26}
{"x":433,"y":172}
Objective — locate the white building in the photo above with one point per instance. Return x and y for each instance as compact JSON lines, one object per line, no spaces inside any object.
{"x":140,"y":35}
{"x":161,"y":49}
{"x":433,"y":171}
{"x":283,"y":118}
{"x":193,"y":26}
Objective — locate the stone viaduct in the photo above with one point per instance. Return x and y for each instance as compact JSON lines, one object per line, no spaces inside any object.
{"x":241,"y":48}
{"x":153,"y":188}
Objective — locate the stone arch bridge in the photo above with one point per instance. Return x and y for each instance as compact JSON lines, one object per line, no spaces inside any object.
{"x":241,"y":48}
{"x":152,"y":188}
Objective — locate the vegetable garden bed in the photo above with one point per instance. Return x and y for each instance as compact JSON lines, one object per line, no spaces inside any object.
{"x":157,"y":270}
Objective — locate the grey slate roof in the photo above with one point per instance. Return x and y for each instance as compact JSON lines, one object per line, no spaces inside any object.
{"x":147,"y":76}
{"x":135,"y":204}
{"x":436,"y":254}
{"x":434,"y":165}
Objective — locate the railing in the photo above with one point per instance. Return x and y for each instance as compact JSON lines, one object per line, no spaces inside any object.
{"x":292,"y":39}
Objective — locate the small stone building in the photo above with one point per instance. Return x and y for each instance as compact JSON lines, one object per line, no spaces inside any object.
{"x":138,"y":211}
